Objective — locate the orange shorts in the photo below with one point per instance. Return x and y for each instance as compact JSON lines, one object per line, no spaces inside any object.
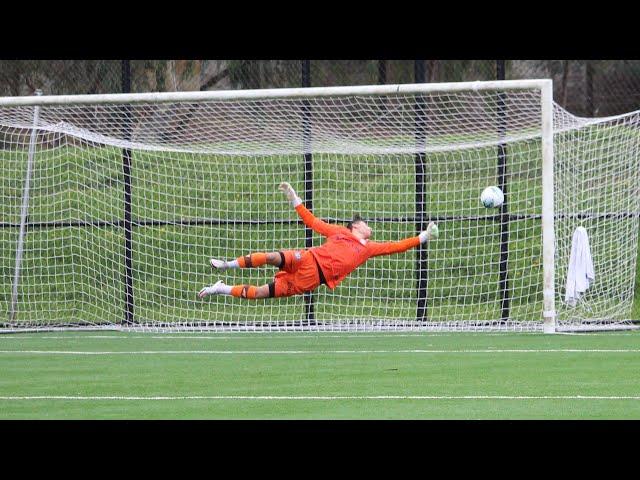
{"x":299,"y":274}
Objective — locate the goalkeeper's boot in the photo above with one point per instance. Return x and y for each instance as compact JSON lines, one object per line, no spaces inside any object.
{"x":432,"y":230}
{"x":218,"y":264}
{"x":211,"y":290}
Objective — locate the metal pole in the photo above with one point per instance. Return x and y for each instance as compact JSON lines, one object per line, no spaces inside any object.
{"x":548,"y":210}
{"x":126,"y":170}
{"x":420,"y":137}
{"x":589,"y":89}
{"x":272,"y":93}
{"x":24,"y":212}
{"x":382,"y":79}
{"x":505,"y":298}
{"x":382,"y":72}
{"x":308,"y":177}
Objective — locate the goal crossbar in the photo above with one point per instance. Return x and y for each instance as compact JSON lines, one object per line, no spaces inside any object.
{"x":273,"y":93}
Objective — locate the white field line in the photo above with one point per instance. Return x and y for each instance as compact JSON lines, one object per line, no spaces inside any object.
{"x":310,"y":352}
{"x":321,"y":397}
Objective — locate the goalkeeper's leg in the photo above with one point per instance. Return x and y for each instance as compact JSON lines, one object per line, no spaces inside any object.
{"x":240,"y":291}
{"x":250,"y":261}
{"x":299,"y":275}
{"x":280,"y":287}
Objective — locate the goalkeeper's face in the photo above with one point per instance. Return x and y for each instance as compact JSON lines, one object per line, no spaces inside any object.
{"x":361,"y":229}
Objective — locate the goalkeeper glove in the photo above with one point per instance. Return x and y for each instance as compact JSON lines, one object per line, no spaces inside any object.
{"x":429,"y":233}
{"x":291,"y":194}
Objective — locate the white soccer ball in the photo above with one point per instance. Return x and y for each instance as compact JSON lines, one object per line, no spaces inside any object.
{"x":492,"y":197}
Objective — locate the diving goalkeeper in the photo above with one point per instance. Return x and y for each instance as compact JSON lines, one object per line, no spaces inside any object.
{"x":302,"y":271}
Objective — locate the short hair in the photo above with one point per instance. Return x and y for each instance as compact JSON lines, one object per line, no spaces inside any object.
{"x":356,"y":218}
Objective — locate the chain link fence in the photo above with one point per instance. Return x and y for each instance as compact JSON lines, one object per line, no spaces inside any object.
{"x":584,"y":87}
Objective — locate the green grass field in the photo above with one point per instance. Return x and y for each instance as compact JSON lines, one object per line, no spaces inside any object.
{"x":319,"y":376}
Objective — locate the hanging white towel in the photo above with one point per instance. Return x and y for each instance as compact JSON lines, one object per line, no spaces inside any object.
{"x":580,"y":273}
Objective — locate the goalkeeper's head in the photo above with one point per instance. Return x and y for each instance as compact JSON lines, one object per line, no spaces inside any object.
{"x":359,"y":227}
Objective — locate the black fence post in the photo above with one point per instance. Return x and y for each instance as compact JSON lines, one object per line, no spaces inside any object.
{"x":420,"y":136}
{"x":308,"y":177}
{"x":589,"y":89}
{"x":382,"y":72}
{"x":504,"y":212}
{"x":126,"y":170}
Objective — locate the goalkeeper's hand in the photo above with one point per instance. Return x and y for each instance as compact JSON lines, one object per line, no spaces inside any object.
{"x":429,"y":233}
{"x":291,"y":194}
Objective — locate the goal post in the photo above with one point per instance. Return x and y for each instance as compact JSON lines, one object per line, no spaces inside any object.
{"x":548,"y":222}
{"x":23,"y":214}
{"x":131,"y":194}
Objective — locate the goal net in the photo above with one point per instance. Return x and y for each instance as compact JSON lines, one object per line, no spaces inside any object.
{"x":112,"y":205}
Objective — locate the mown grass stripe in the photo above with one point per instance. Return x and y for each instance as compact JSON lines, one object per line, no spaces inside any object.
{"x":311,"y":352}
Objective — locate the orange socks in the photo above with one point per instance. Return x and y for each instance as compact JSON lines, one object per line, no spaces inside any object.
{"x":248,"y":261}
{"x":252,"y":260}
{"x":244,"y":291}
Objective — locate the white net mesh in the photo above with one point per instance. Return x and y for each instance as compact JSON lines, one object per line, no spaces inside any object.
{"x":203,"y":183}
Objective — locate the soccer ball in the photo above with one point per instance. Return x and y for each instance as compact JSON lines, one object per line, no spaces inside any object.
{"x":492,"y":197}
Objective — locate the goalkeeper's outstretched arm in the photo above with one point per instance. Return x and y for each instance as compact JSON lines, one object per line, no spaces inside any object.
{"x":389,"y":248}
{"x":310,"y":220}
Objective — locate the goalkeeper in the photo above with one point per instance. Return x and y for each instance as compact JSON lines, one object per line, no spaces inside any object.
{"x":304,"y":270}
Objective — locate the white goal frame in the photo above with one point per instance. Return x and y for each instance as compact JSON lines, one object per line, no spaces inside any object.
{"x":544,"y":86}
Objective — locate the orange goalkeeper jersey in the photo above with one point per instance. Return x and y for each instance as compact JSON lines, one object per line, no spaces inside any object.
{"x":343,"y":252}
